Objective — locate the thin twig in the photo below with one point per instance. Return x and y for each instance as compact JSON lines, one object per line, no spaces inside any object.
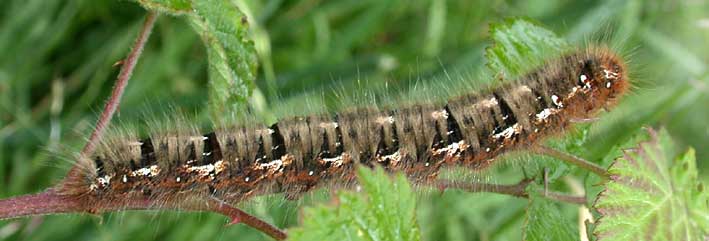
{"x":48,"y":202}
{"x":51,"y":202}
{"x":516,"y":190}
{"x":239,"y":216}
{"x":121,"y":82}
{"x":113,"y":102}
{"x":571,"y":159}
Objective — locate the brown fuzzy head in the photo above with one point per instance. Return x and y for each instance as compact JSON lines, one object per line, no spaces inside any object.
{"x":605,"y":75}
{"x":598,"y":79}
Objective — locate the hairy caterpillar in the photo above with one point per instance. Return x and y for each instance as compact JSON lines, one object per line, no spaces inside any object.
{"x":182,"y":168}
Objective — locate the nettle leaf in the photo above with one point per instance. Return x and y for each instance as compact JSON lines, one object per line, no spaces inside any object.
{"x":519,"y":46}
{"x":231,"y":54}
{"x":386,"y":211}
{"x":653,"y":196}
{"x":167,"y":6}
{"x":544,"y":220}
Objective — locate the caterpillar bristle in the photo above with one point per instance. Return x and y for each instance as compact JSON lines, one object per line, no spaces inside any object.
{"x":234,"y":162}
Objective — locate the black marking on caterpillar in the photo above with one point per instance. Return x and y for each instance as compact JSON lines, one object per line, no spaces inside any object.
{"x":297,"y":154}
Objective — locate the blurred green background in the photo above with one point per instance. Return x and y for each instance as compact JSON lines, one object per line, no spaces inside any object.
{"x":56,"y":70}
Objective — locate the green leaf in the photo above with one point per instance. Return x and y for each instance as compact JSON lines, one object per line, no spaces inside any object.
{"x":231,"y":54}
{"x":385,"y":210}
{"x":652,"y":196}
{"x":519,"y":46}
{"x":545,"y":221}
{"x":167,"y":6}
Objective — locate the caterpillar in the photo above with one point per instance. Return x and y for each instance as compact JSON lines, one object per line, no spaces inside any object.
{"x":298,"y":154}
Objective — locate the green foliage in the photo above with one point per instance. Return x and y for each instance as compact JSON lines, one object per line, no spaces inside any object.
{"x":384,"y":210}
{"x":545,"y":221}
{"x":653,"y":196}
{"x":168,"y":6}
{"x":230,"y":50}
{"x":519,"y":46}
{"x":56,"y":71}
{"x":231,"y":54}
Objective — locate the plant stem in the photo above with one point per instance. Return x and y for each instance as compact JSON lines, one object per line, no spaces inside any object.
{"x":571,"y":159}
{"x":516,"y":190}
{"x":48,"y":202}
{"x":239,"y":216}
{"x":51,"y":202}
{"x":127,"y":67}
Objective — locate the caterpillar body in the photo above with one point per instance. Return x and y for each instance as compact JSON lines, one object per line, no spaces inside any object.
{"x":298,"y":154}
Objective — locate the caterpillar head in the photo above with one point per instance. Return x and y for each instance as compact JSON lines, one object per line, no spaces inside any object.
{"x":603,"y":76}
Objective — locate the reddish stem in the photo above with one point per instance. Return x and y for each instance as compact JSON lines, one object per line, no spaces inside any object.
{"x":51,"y":202}
{"x":48,"y":202}
{"x":239,"y":216}
{"x":128,"y":65}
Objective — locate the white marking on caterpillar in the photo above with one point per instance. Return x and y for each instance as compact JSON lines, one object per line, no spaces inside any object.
{"x":219,"y":166}
{"x":178,"y":179}
{"x":124,"y":179}
{"x":385,"y":119}
{"x":104,"y":181}
{"x":274,"y":165}
{"x":610,"y":74}
{"x":207,"y":153}
{"x":150,"y":171}
{"x":608,"y":85}
{"x":556,"y":101}
{"x":310,"y":173}
{"x":441,"y":114}
{"x":337,"y":161}
{"x":488,"y":103}
{"x":584,"y":78}
{"x":541,"y":116}
{"x":487,"y":149}
{"x":247,"y":179}
{"x":329,"y":124}
{"x":453,"y":149}
{"x":393,"y":158}
{"x":509,"y":132}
